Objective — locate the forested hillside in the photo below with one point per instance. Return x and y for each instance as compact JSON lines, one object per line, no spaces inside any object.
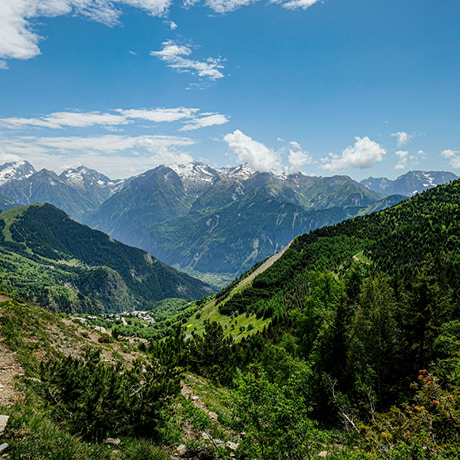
{"x":52,"y":260}
{"x":364,"y":319}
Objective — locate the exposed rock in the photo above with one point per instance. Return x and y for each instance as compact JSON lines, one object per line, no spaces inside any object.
{"x":113,"y":441}
{"x":212,"y":415}
{"x":3,"y":422}
{"x":181,"y":450}
{"x":3,"y":447}
{"x":232,"y":445}
{"x":323,"y":454}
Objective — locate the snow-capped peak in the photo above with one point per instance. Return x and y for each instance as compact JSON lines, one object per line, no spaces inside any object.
{"x":17,"y":170}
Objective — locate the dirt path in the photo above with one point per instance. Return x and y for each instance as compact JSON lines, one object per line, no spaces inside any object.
{"x":268,"y":263}
{"x":9,"y":369}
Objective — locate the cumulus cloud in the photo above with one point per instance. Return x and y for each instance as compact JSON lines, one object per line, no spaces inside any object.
{"x":256,"y":155}
{"x":363,"y":154}
{"x":173,"y":55}
{"x":297,"y":158}
{"x":60,"y":120}
{"x":453,"y":157}
{"x":207,"y":119}
{"x":3,"y":65}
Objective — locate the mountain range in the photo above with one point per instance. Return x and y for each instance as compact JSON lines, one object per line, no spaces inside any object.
{"x":226,"y":220}
{"x":75,"y":191}
{"x":205,"y":219}
{"x":409,"y":184}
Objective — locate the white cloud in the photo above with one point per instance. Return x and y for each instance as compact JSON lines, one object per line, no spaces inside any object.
{"x":363,"y":154}
{"x":114,"y":143}
{"x":159,"y":115}
{"x":190,"y":3}
{"x":225,"y":6}
{"x":59,"y":120}
{"x":3,"y":65}
{"x":207,"y":119}
{"x":256,"y":155}
{"x":173,"y":54}
{"x":402,"y":137}
{"x":297,"y":158}
{"x":296,"y":4}
{"x":18,"y":39}
{"x":8,"y":158}
{"x":449,"y":153}
{"x":453,"y":157}
{"x":403,"y":156}
{"x":114,"y":155}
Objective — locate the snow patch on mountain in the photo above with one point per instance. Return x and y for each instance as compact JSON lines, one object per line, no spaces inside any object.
{"x":15,"y":171}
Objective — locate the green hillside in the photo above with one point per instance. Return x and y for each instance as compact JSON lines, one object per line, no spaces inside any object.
{"x":56,"y":262}
{"x":368,"y":312}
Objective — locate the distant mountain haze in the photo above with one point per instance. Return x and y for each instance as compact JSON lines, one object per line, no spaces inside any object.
{"x":205,"y":219}
{"x":409,"y":184}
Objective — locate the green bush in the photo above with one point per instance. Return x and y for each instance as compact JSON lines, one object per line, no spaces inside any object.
{"x":96,"y":399}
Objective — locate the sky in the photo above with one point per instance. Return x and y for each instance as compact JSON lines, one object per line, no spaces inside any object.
{"x":356,"y":87}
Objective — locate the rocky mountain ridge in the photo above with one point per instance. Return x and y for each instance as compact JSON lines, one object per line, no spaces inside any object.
{"x":409,"y":184}
{"x":75,"y":191}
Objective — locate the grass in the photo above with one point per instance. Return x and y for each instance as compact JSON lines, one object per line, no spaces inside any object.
{"x":10,"y":216}
{"x":238,"y":327}
{"x":31,"y":434}
{"x":362,"y":258}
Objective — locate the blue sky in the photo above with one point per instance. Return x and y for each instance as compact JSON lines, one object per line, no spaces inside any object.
{"x":357,"y":87}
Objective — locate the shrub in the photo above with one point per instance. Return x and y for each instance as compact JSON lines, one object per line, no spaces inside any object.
{"x":96,"y":399}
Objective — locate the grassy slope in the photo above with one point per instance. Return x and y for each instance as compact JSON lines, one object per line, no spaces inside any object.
{"x":32,"y":334}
